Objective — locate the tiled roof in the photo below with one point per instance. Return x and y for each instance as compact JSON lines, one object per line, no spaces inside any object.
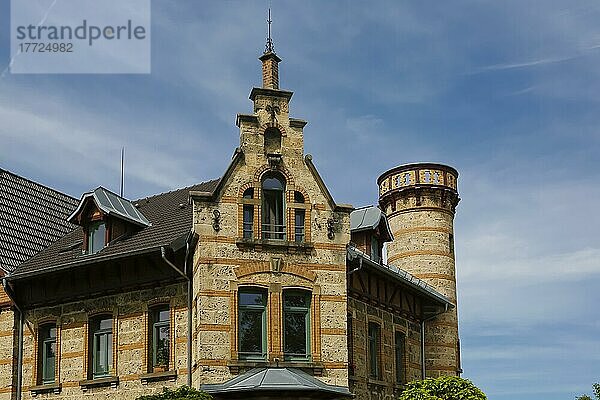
{"x":170,"y":216}
{"x":32,"y":216}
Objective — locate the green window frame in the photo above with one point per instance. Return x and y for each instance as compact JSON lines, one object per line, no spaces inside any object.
{"x":399,"y":347}
{"x":47,"y":353}
{"x":160,"y":328}
{"x":374,"y":338}
{"x":101,"y":335}
{"x":96,"y":239}
{"x":252,"y":323}
{"x":296,"y":324}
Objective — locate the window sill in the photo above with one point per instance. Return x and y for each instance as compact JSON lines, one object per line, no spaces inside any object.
{"x":111,"y":381}
{"x":45,"y":388}
{"x":273,"y":244}
{"x":237,"y":366}
{"x":158,"y":376}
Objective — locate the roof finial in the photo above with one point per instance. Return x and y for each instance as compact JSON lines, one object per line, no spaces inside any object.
{"x":269,"y":48}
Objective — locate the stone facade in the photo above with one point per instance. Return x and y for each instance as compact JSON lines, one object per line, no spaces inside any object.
{"x":226,"y":259}
{"x":129,"y":375}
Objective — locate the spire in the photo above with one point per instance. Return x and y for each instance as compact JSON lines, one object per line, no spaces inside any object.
{"x":270,"y":67}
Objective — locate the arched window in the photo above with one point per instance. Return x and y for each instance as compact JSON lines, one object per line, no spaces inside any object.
{"x":299,"y":218}
{"x":248,"y":220}
{"x":272,"y":141}
{"x":296,"y":324}
{"x":273,"y":207}
{"x":47,"y":353}
{"x":252,"y":319}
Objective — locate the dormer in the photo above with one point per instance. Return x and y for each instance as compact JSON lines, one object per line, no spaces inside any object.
{"x":106,"y":217}
{"x":369,"y":230}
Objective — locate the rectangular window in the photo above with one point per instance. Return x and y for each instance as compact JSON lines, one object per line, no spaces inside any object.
{"x":96,"y":237}
{"x":374,"y":345}
{"x":248,"y":221}
{"x":299,"y":225}
{"x":101,"y":346}
{"x":252,"y":317}
{"x":47,"y":353}
{"x":375,"y":251}
{"x":399,"y":347}
{"x":296,"y":323}
{"x":160,"y":334}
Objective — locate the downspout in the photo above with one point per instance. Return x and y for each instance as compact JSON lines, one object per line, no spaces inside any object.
{"x":189,"y":296}
{"x":423,"y":339}
{"x":10,"y":294}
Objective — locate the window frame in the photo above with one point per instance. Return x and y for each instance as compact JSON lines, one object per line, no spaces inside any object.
{"x":245,"y":355}
{"x":374,"y":349}
{"x":92,"y":230}
{"x":306,"y":310}
{"x":43,"y":341}
{"x":95,"y":331}
{"x":273,"y":230}
{"x":156,"y":323}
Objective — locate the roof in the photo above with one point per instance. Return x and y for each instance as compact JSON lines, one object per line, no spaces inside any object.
{"x":170,"y":216}
{"x":275,"y":379}
{"x":112,"y":204}
{"x":31,"y":217}
{"x":369,"y":218}
{"x":401,"y":275}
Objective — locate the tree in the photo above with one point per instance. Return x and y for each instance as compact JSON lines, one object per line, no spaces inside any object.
{"x":182,"y":393}
{"x":596,"y":393}
{"x":442,"y":388}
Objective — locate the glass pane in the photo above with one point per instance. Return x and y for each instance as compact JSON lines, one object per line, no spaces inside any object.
{"x":52,"y":333}
{"x":163,"y":316}
{"x":272,"y":184}
{"x":96,"y":237}
{"x":49,"y":361}
{"x":161,"y":340}
{"x":295,"y":333}
{"x":252,"y":299}
{"x":105,"y":324}
{"x":295,"y":300}
{"x":251,"y":332}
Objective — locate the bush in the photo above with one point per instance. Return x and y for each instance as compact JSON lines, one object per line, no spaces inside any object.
{"x":596,"y":393}
{"x":443,"y":388}
{"x":182,"y":393}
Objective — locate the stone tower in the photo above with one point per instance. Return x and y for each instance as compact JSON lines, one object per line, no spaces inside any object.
{"x":420,"y":201}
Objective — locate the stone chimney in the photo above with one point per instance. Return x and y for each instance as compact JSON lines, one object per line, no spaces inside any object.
{"x":270,"y":70}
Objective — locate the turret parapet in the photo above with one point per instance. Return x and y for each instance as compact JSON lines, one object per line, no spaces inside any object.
{"x":417,"y":175}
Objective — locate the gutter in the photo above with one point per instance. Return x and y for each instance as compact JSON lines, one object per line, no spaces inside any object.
{"x":11,"y":295}
{"x":189,"y":300}
{"x":423,"y":339}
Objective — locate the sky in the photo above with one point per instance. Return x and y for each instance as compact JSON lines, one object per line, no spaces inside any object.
{"x":507,"y":92}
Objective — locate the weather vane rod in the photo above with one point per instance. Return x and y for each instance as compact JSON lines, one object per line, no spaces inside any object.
{"x":270,"y":48}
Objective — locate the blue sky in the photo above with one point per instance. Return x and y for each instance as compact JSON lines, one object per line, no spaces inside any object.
{"x":508,"y":92}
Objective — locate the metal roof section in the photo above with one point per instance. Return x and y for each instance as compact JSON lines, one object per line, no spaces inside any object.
{"x":369,"y":218}
{"x":112,"y":204}
{"x":400,"y":274}
{"x":32,"y":216}
{"x":276,"y":380}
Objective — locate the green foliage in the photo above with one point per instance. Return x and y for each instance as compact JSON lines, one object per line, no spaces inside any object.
{"x":443,"y":388}
{"x":182,"y":393}
{"x":596,"y":393}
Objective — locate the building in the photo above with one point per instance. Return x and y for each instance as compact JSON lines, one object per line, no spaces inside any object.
{"x":257,"y":285}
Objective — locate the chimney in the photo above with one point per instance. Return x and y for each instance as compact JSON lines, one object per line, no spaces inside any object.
{"x":270,"y":70}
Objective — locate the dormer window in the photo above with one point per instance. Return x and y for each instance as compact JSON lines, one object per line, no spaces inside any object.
{"x":96,"y":239}
{"x":273,"y":220}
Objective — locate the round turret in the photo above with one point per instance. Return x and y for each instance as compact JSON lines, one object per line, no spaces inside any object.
{"x":420,"y":201}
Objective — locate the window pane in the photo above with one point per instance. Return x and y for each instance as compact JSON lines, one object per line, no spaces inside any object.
{"x":248,"y":221}
{"x":251,"y":332}
{"x":299,"y":226}
{"x":163,"y":315}
{"x":101,"y":333}
{"x":49,"y":361}
{"x":295,"y":300}
{"x":252,"y":298}
{"x":273,"y":221}
{"x":295,"y":333}
{"x":374,"y":350}
{"x":96,"y":237}
{"x":272,"y":184}
{"x":161,"y":340}
{"x":399,"y":341}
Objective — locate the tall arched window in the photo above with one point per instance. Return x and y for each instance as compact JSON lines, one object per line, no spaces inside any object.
{"x":273,"y":207}
{"x":248,"y":214}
